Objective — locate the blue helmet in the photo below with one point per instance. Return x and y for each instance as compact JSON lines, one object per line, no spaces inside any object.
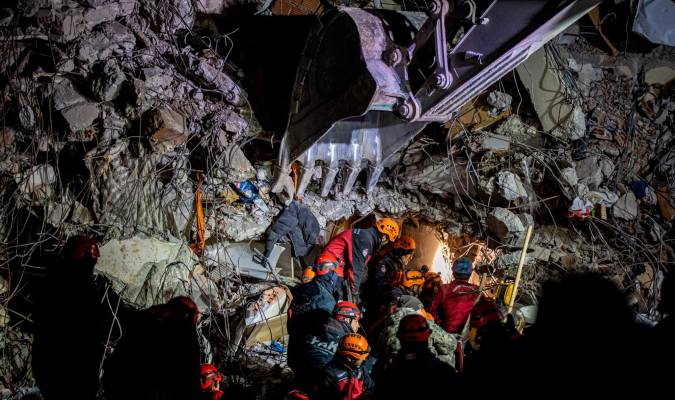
{"x":462,"y":268}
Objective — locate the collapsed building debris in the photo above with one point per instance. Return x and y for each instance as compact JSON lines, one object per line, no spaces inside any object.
{"x":116,"y":113}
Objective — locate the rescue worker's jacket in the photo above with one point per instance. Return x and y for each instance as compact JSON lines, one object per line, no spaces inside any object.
{"x":338,"y":381}
{"x":353,"y":249}
{"x":452,"y":305}
{"x":416,"y":373}
{"x":310,"y":351}
{"x":441,"y":344}
{"x":315,"y":297}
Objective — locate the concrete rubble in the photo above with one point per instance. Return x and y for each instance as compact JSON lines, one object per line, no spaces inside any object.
{"x":140,"y":106}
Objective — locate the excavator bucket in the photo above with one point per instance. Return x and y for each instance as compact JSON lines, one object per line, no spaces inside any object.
{"x":370,"y":80}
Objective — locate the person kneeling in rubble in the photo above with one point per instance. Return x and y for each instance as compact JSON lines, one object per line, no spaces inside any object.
{"x":452,"y":304}
{"x":440,"y":343}
{"x":311,"y":350}
{"x":353,"y":249}
{"x":415,"y":363}
{"x":345,"y":377}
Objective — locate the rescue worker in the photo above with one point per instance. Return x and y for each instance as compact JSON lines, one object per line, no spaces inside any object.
{"x":69,"y":325}
{"x":432,"y":284}
{"x":413,"y":364}
{"x":311,"y":350}
{"x":353,"y":249}
{"x":441,"y":343}
{"x":380,"y":294}
{"x":317,"y":298}
{"x":165,"y":336}
{"x":345,"y":378}
{"x":210,"y":379}
{"x":452,"y":304}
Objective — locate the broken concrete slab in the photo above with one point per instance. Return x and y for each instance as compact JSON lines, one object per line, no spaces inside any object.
{"x":109,"y":83}
{"x":660,"y":75}
{"x":500,"y":101}
{"x":510,"y":186}
{"x":65,"y":94}
{"x":169,"y":130}
{"x":626,"y":207}
{"x":539,"y":75}
{"x":574,"y":128}
{"x":81,"y":116}
{"x":569,"y":176}
{"x":499,"y":144}
{"x":110,"y":38}
{"x":503,"y":223}
{"x":149,"y":271}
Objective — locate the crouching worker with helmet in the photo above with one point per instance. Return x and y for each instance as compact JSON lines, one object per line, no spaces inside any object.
{"x":415,"y":363}
{"x":209,"y":381}
{"x":345,"y":378}
{"x":315,"y":348}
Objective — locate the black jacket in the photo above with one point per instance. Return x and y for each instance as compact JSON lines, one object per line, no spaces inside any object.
{"x":299,"y":225}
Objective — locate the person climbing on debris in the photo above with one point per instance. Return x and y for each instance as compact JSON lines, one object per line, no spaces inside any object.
{"x":166,"y":337}
{"x":311,"y":350}
{"x":297,"y":224}
{"x":345,"y":378}
{"x":441,"y":344}
{"x":415,"y":372}
{"x":209,"y":381}
{"x":353,"y":249}
{"x":452,"y":304}
{"x":68,"y":347}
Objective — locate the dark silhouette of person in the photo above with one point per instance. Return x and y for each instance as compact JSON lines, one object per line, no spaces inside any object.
{"x":158,"y":355}
{"x":584,"y":340}
{"x":67,"y":349}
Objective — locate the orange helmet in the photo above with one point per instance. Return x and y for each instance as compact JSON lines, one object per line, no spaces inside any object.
{"x":325,"y":263}
{"x":388,"y":227}
{"x":209,"y":377}
{"x":308,"y":274}
{"x":413,"y":328}
{"x":354,"y":347}
{"x":405,"y":243}
{"x":346,"y":310}
{"x":413,"y":278}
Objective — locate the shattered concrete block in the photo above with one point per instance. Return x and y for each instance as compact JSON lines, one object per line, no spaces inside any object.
{"x":539,"y":74}
{"x":502,"y":223}
{"x":170,"y":130}
{"x":626,"y":207}
{"x":35,"y":178}
{"x":569,"y":176}
{"x":109,"y":83}
{"x":81,"y":116}
{"x":587,"y":75}
{"x":499,"y":100}
{"x":65,"y":94}
{"x":510,"y":186}
{"x":512,"y":259}
{"x":110,"y":38}
{"x":589,"y":172}
{"x":108,"y":11}
{"x":168,"y":16}
{"x":574,"y":127}
{"x":496,"y":143}
{"x":72,"y":24}
{"x":148,"y":271}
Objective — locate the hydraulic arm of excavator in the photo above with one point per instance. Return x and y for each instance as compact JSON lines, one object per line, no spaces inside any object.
{"x":370,"y":80}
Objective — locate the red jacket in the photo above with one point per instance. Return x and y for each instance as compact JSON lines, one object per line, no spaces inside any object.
{"x":452,"y":305}
{"x":340,"y":247}
{"x":353,"y":249}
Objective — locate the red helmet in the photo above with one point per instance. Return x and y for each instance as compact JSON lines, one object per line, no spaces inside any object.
{"x":296,"y":395}
{"x":209,"y":376}
{"x":325,"y":263}
{"x":346,"y":310}
{"x":413,"y":328}
{"x":484,"y":312}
